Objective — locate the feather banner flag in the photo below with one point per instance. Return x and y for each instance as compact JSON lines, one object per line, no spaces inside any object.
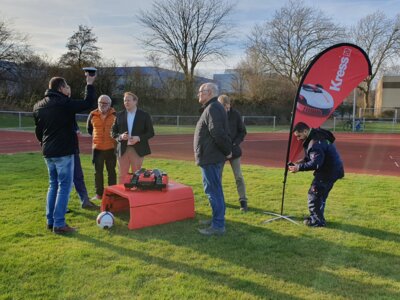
{"x":328,"y":80}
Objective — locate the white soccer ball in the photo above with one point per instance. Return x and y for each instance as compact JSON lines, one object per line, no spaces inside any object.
{"x":105,"y":220}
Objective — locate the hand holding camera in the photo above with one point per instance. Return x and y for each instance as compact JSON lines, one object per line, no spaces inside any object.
{"x":90,"y":73}
{"x":293,"y":168}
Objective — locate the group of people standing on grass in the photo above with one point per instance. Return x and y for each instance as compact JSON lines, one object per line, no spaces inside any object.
{"x":123,"y":138}
{"x":56,"y":129}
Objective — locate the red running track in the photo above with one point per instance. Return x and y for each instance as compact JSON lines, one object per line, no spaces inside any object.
{"x":376,"y":154}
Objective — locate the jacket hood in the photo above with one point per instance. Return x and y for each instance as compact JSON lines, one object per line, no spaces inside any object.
{"x":319,"y":134}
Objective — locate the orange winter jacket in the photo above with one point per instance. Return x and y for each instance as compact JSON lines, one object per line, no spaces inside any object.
{"x":100,"y":129}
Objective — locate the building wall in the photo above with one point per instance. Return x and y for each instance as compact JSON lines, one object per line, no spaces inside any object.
{"x":225,"y":81}
{"x":387,"y":94}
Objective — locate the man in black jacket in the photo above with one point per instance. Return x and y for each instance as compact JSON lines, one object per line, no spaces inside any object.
{"x":54,"y":119}
{"x":132,"y":130}
{"x":322,"y":157}
{"x":212,"y":146}
{"x":237,"y":133}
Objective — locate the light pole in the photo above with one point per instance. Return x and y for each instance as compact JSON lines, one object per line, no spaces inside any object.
{"x":354,"y":109}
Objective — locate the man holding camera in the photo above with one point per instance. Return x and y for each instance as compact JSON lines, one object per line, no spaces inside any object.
{"x":54,"y":119}
{"x":322,"y":157}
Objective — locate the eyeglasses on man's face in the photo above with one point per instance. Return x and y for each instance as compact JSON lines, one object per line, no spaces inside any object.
{"x":104,"y":103}
{"x":203,"y":91}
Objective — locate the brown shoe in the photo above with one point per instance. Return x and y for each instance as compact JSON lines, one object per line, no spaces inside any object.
{"x":63,"y":230}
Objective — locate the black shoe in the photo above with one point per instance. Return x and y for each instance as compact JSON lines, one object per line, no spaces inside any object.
{"x":63,"y":230}
{"x":243,"y":206}
{"x":50,"y":227}
{"x":310,"y":223}
{"x":90,"y":205}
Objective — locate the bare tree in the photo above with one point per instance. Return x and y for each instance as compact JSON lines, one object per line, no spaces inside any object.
{"x":379,"y":36}
{"x":189,"y":31}
{"x":82,"y":49}
{"x":288,"y":42}
{"x":260,"y":87}
{"x":14,"y":49}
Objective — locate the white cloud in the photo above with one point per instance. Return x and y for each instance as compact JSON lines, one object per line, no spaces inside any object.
{"x":50,"y":23}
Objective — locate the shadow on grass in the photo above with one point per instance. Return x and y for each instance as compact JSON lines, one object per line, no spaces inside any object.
{"x":369,"y":232}
{"x":216,"y":277}
{"x":253,"y":209}
{"x":305,"y":259}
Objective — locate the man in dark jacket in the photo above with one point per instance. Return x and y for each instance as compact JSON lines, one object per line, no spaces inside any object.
{"x":132,"y":130}
{"x":322,"y":157}
{"x":79,"y":178}
{"x":54,"y":119}
{"x":237,"y":133}
{"x":212,"y":146}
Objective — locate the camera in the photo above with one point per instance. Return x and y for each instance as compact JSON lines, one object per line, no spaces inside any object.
{"x":91,"y":70}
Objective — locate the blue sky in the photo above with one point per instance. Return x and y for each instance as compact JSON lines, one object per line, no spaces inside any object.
{"x":49,"y":23}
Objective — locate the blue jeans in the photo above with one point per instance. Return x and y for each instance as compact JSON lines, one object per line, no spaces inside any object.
{"x":61,"y":170}
{"x":79,"y":180}
{"x":212,"y":182}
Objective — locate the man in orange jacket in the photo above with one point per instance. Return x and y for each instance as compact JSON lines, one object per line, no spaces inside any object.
{"x":99,"y":125}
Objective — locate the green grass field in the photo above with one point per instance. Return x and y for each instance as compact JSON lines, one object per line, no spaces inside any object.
{"x":356,"y":257}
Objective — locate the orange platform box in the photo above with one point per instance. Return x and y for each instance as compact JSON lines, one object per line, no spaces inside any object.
{"x":150,"y":207}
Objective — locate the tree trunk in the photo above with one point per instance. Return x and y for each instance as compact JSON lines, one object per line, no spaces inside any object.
{"x":189,"y":86}
{"x":366,"y":93}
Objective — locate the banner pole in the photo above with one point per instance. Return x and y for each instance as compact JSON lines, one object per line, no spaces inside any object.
{"x":281,"y":216}
{"x":316,"y":103}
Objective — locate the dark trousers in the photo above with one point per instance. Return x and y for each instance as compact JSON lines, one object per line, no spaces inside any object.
{"x":79,"y":180}
{"x":317,"y":195}
{"x":101,"y":157}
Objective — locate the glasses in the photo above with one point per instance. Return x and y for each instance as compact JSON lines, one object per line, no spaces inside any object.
{"x":202,"y":91}
{"x":104,"y":103}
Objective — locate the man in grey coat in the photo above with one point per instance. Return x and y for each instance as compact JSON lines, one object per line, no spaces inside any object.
{"x":212,"y":146}
{"x":238,"y":132}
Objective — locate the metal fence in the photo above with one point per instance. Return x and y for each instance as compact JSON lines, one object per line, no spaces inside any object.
{"x":371,"y":125}
{"x":24,"y":120}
